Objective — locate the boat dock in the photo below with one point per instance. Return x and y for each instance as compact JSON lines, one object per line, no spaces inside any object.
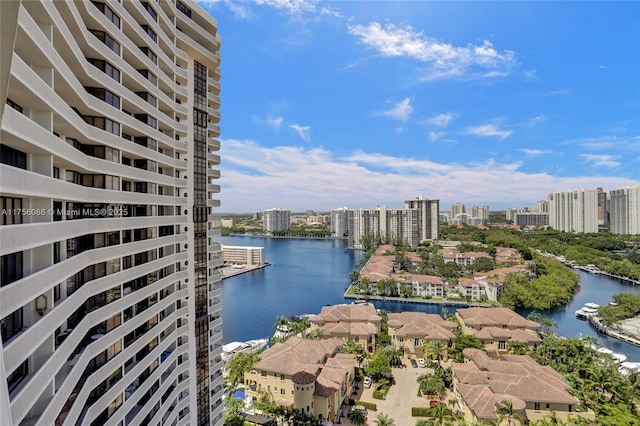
{"x":232,"y":271}
{"x":598,"y":325}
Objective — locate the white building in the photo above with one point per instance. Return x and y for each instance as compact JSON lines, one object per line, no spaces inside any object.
{"x":277,"y":220}
{"x":416,"y":222}
{"x":531,"y":219}
{"x":340,"y":222}
{"x":243,"y":255}
{"x":109,"y":294}
{"x":625,"y":210}
{"x":574,"y":211}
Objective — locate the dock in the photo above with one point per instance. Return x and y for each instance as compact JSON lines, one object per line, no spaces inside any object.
{"x":601,"y":328}
{"x":230,"y":271}
{"x":417,"y":301}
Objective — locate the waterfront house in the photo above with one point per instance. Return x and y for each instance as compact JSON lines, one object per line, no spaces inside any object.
{"x":308,"y":375}
{"x":493,"y":280}
{"x":353,"y":322}
{"x":463,"y":259}
{"x":497,"y":327}
{"x":481,"y":384}
{"x":409,"y":331}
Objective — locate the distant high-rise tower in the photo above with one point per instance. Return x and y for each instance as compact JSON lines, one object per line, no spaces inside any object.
{"x":340,"y":222}
{"x":603,"y":217}
{"x":428,"y":215}
{"x":574,"y":211}
{"x":625,"y":210}
{"x":276,"y":220}
{"x":542,"y":206}
{"x":110,"y":297}
{"x":456,"y":209}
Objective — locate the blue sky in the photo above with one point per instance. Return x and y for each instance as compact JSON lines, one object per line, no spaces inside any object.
{"x":357,"y":104}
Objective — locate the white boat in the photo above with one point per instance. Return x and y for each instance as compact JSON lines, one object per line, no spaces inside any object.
{"x":592,"y":305}
{"x":232,"y":349}
{"x":586,"y":312}
{"x":604,"y":351}
{"x":619,"y":358}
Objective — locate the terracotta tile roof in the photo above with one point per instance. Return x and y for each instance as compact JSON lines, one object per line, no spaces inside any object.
{"x":470,"y":282}
{"x":297,"y":355}
{"x":499,"y":317}
{"x":517,"y":335}
{"x":421,"y":325}
{"x":349,"y":329}
{"x":347,"y":313}
{"x":517,"y":377}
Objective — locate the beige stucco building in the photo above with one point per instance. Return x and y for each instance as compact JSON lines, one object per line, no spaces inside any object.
{"x":481,"y":384}
{"x":409,"y":331}
{"x":356,"y":323}
{"x":308,"y":375}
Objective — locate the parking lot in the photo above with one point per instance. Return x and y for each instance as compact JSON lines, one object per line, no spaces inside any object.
{"x":401,"y":397}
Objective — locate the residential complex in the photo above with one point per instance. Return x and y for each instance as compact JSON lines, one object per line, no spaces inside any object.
{"x":355,"y":322}
{"x":340,"y":222}
{"x":625,"y":210}
{"x":308,"y":375}
{"x":110,"y":296}
{"x":531,"y":219}
{"x":574,"y":211}
{"x":534,"y":391}
{"x":415,"y":223}
{"x":243,"y":255}
{"x":276,"y":220}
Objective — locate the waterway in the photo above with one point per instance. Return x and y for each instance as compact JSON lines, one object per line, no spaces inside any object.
{"x":307,"y":274}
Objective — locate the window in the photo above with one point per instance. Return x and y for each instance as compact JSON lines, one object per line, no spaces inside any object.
{"x":107,"y":40}
{"x":104,"y":95}
{"x":149,"y":98}
{"x":110,"y":14}
{"x":106,"y":68}
{"x":281,"y":391}
{"x":183,"y":8}
{"x":147,"y":119}
{"x":13,"y":157}
{"x":416,"y":342}
{"x":282,"y":378}
{"x":149,"y":76}
{"x":11,"y":268}
{"x":536,"y":406}
{"x":150,"y":54}
{"x":10,"y":210}
{"x":150,"y":33}
{"x":16,"y":377}
{"x":14,"y":105}
{"x":11,"y":325}
{"x":502,"y":345}
{"x":103,"y":123}
{"x":263,"y":373}
{"x":152,"y":12}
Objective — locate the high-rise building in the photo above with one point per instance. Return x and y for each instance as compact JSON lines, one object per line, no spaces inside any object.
{"x":428,"y":216}
{"x":479,"y":212}
{"x":276,"y":220}
{"x":625,"y":210}
{"x":456,"y":209}
{"x":531,"y":219}
{"x":542,"y":206}
{"x":416,"y":222}
{"x":340,"y":222}
{"x":574,"y":211}
{"x":603,"y":217}
{"x":109,"y":293}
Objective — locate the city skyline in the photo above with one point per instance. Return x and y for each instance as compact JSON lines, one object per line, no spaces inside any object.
{"x":334,"y":104}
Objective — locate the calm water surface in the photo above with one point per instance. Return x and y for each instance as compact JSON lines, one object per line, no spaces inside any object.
{"x":307,"y":274}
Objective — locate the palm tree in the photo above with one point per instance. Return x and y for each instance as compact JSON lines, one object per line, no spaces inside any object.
{"x":434,"y":349}
{"x":441,"y":413}
{"x":505,"y":411}
{"x":384,"y":420}
{"x":517,"y":348}
{"x":394,"y":355}
{"x":357,"y":417}
{"x":424,"y":422}
{"x":633,"y":381}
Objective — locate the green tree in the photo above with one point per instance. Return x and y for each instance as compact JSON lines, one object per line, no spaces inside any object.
{"x":233,"y":412}
{"x":435,"y":349}
{"x":379,"y":366}
{"x":357,"y":417}
{"x":505,"y":411}
{"x":383,"y":419}
{"x":517,"y":348}
{"x":461,"y":342}
{"x":239,"y":364}
{"x":441,"y":414}
{"x":424,"y":422}
{"x":430,"y":384}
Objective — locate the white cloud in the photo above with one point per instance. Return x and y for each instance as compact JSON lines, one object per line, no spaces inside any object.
{"x":604,"y":160}
{"x":255,"y":177}
{"x":434,"y":136}
{"x":243,"y":10}
{"x":443,"y":60}
{"x":400,"y":111}
{"x":274,"y":122}
{"x":537,"y":120}
{"x":535,"y":151}
{"x":488,"y":130}
{"x":441,"y":120}
{"x":302,"y":131}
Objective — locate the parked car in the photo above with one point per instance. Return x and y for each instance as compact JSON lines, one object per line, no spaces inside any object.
{"x":421,"y":362}
{"x":359,"y":408}
{"x":414,"y":364}
{"x":367,"y":382}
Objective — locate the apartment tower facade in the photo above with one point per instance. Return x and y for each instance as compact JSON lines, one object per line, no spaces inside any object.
{"x":339,"y":222}
{"x":276,"y":220}
{"x":625,"y":210}
{"x":110,"y":294}
{"x":574,"y":211}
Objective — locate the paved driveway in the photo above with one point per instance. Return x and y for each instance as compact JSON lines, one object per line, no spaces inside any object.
{"x":402,"y":396}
